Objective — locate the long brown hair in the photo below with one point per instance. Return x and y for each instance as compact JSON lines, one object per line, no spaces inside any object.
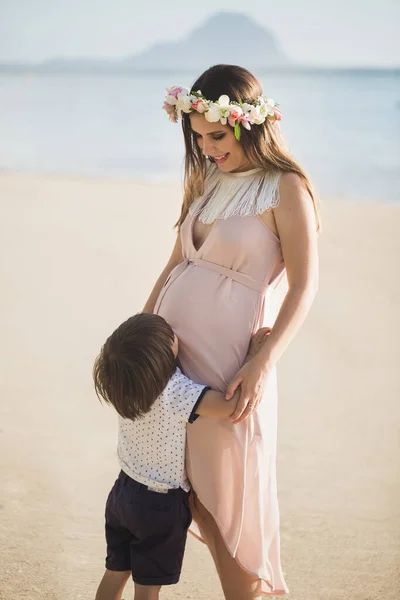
{"x":263,"y":144}
{"x":135,"y":364}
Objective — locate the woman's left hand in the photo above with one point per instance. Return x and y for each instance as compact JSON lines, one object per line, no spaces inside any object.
{"x":252,"y":378}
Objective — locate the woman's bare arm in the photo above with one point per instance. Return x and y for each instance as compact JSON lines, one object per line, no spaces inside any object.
{"x":296,"y":226}
{"x":174,"y":260}
{"x":295,"y":221}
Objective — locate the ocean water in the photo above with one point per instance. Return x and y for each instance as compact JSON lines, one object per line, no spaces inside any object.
{"x":343,"y":126}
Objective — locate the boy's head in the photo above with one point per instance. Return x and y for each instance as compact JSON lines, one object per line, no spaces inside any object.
{"x":135,"y":364}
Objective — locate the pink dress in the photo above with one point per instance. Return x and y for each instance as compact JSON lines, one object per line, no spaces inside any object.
{"x":214,"y":300}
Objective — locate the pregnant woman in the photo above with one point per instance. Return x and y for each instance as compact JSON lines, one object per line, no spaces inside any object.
{"x":248,"y":225}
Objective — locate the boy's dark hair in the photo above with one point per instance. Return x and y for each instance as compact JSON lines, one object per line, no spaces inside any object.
{"x":135,"y":364}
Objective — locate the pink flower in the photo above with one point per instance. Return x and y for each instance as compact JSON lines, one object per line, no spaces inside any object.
{"x":277,"y":116}
{"x":174,"y":91}
{"x":244,"y":120}
{"x":171,"y":111}
{"x":200,"y":106}
{"x":235,"y":114}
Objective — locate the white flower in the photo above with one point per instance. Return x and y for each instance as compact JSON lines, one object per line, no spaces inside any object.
{"x":213,"y":114}
{"x":256,"y":115}
{"x":225,"y":109}
{"x":183,"y":104}
{"x":223,"y":101}
{"x":246,"y":108}
{"x":268,"y":106}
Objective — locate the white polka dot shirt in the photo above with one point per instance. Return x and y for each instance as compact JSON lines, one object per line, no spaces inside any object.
{"x":151,"y":450}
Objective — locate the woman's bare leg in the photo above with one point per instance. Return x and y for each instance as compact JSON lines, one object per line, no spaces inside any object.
{"x":236,"y":583}
{"x":112,"y":585}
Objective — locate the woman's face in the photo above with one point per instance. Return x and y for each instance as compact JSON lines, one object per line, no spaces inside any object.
{"x":219,"y":142}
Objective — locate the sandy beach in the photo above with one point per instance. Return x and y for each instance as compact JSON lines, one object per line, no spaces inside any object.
{"x":81,"y":255}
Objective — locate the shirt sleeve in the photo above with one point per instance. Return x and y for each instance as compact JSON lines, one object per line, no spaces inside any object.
{"x":182,"y":396}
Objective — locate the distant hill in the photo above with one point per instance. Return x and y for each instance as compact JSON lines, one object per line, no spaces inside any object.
{"x":226,"y":37}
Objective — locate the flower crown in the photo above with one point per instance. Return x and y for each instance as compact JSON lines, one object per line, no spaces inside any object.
{"x":179,"y":100}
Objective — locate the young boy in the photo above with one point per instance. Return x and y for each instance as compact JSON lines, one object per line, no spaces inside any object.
{"x":147,"y":511}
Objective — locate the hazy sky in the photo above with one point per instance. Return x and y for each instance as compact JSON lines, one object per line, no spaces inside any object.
{"x":340,"y":32}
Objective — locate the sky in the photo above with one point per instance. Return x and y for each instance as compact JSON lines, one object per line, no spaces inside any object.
{"x":310,"y":32}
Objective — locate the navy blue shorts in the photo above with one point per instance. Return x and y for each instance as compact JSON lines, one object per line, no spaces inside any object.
{"x":146,"y":531}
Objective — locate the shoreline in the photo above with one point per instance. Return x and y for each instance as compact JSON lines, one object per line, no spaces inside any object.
{"x":177,"y":182}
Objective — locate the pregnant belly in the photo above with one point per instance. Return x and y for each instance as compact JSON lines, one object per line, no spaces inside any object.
{"x":213,"y":317}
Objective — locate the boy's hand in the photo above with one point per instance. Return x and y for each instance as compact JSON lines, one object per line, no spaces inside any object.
{"x":235,"y":399}
{"x":257,"y":341}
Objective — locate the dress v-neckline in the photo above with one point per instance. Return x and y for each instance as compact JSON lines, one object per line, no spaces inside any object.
{"x":192,"y":224}
{"x":236,"y":175}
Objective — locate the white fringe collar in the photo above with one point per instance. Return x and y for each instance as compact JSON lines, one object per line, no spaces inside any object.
{"x":242,"y":194}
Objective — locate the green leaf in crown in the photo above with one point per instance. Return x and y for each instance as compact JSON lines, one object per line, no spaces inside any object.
{"x":236,"y":131}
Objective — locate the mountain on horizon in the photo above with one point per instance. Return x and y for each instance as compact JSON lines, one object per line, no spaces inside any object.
{"x":226,"y":37}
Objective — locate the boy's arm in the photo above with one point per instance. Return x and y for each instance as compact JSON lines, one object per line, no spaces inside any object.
{"x":213,"y":404}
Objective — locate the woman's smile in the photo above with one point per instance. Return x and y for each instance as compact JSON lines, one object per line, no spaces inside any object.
{"x":221,"y":159}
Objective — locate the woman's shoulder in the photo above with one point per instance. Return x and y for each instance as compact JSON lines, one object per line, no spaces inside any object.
{"x":291,"y":182}
{"x":297,"y":203}
{"x":281,"y":188}
{"x":292,"y":190}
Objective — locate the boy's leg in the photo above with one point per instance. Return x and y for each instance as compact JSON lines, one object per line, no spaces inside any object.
{"x":147,"y":592}
{"x":112,"y":585}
